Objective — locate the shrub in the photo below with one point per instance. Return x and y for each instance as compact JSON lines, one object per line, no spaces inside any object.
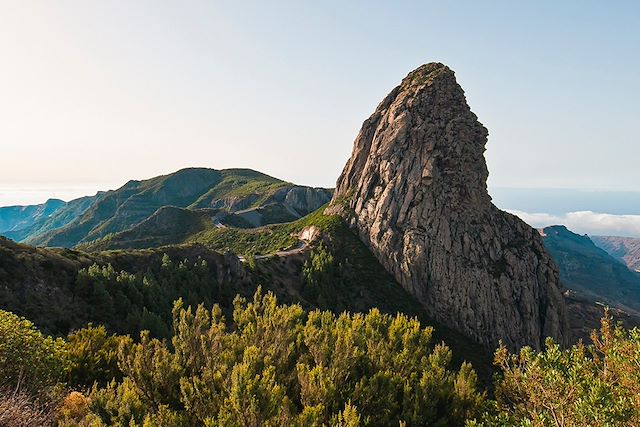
{"x":93,"y":356}
{"x":28,"y":359}
{"x":282,"y":366}
{"x":75,"y":406}
{"x":595,"y":385}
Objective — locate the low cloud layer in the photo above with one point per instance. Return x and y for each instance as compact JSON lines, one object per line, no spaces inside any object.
{"x":586,"y":222}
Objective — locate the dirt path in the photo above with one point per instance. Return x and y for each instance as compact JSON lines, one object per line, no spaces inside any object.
{"x":299,"y":248}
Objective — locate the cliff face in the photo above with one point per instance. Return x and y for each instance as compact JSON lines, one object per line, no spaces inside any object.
{"x":302,"y":200}
{"x":415,"y":192}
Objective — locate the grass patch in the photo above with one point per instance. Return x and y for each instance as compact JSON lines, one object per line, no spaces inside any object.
{"x":240,"y":183}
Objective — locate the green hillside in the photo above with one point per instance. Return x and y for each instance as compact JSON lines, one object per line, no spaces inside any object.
{"x":128,"y":291}
{"x":244,"y":186}
{"x":335,"y":271}
{"x":120,"y":209}
{"x":110,"y":219}
{"x":168,"y":225}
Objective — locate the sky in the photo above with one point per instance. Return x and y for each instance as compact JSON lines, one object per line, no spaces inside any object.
{"x":93,"y":94}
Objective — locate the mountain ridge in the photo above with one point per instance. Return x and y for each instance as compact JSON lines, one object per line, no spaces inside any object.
{"x":18,"y":217}
{"x":258,"y":198}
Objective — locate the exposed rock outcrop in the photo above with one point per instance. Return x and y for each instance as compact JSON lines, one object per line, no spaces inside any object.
{"x":303,"y":200}
{"x":415,"y":192}
{"x":297,"y":201}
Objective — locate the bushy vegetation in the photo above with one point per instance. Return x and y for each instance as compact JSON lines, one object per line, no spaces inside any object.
{"x":29,"y":360}
{"x":93,"y":356}
{"x":128,"y":291}
{"x":322,"y":275}
{"x":124,"y":291}
{"x":129,"y":303}
{"x":595,"y":385}
{"x":282,"y":366}
{"x":279,"y":365}
{"x":254,"y":363}
{"x":33,"y":369}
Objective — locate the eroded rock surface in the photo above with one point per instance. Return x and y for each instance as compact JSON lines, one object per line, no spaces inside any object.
{"x":415,"y":191}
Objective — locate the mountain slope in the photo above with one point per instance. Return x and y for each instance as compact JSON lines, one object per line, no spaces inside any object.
{"x":110,"y":218}
{"x":590,"y":270}
{"x":168,"y":225}
{"x":333,"y":270}
{"x":626,"y":249}
{"x":415,"y":191}
{"x":14,"y":218}
{"x":120,"y":209}
{"x":61,"y":217}
{"x":61,"y":289}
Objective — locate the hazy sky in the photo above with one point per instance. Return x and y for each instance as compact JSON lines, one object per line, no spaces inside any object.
{"x":93,"y":93}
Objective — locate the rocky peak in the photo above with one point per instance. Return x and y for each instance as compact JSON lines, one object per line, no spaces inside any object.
{"x":415,"y":191}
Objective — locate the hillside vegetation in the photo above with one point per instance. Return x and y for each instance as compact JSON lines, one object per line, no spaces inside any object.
{"x":279,"y":365}
{"x":231,"y":298}
{"x":168,"y":225}
{"x":270,"y":239}
{"x":129,"y":290}
{"x":116,"y":219}
{"x":326,"y":357}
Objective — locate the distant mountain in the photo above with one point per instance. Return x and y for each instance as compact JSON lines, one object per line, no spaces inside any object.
{"x":15,"y":218}
{"x":626,"y":249}
{"x":590,"y":270}
{"x":61,"y":217}
{"x":137,"y":214}
{"x":172,"y":225}
{"x":122,"y":208}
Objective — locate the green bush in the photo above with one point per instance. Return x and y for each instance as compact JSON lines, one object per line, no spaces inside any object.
{"x":282,"y":366}
{"x":93,"y":356}
{"x":29,"y":360}
{"x":278,"y":365}
{"x":595,"y":385}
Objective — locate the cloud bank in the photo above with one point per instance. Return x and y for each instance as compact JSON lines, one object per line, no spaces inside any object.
{"x":586,"y":222}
